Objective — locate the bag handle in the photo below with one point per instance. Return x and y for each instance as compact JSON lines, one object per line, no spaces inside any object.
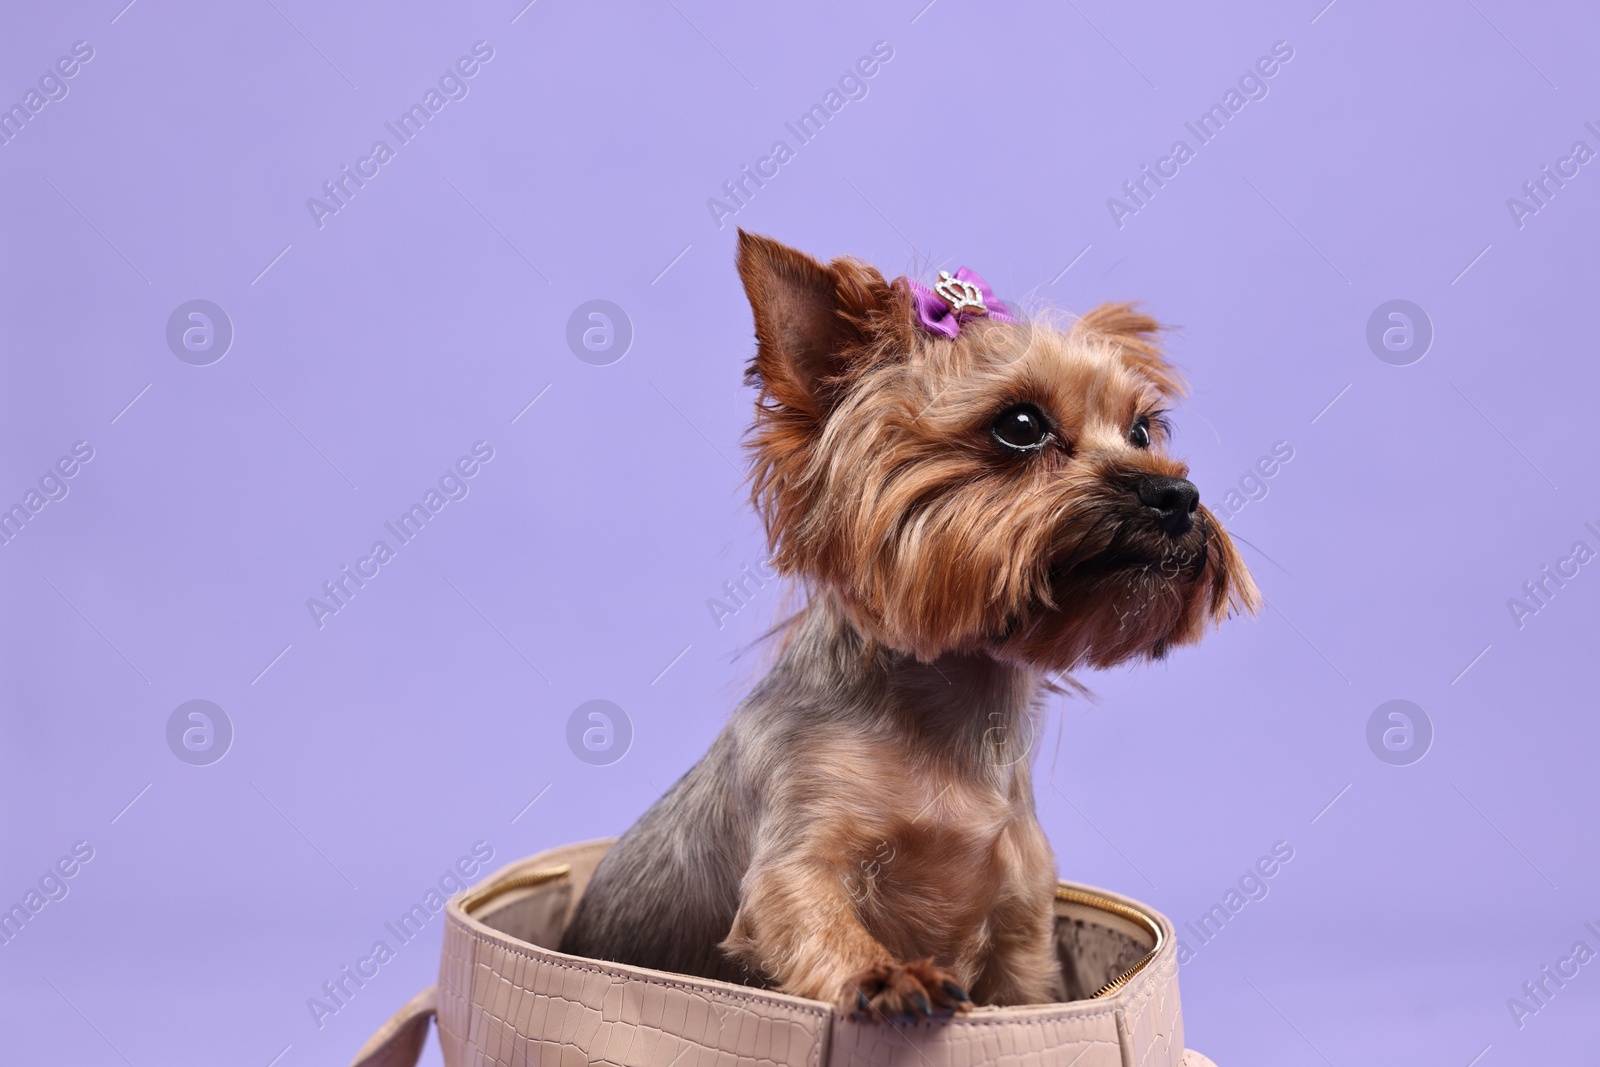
{"x":398,"y":1042}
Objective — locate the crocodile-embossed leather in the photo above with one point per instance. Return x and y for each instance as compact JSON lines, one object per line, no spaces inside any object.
{"x":504,"y":1000}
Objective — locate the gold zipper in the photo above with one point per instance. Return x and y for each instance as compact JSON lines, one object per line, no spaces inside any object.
{"x":1121,"y":911}
{"x":479,"y":897}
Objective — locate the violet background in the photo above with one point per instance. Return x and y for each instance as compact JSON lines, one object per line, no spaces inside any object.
{"x":428,"y":313}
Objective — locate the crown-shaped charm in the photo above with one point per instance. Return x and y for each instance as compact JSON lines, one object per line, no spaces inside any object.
{"x":961,"y":295}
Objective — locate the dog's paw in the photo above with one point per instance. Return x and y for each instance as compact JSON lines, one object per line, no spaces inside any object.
{"x":902,"y":992}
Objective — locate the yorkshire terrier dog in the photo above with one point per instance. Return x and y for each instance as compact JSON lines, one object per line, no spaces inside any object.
{"x":974,"y":503}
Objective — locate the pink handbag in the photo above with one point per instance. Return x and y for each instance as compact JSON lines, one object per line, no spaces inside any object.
{"x":503,"y":998}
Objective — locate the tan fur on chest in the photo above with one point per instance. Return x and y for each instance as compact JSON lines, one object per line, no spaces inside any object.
{"x":925,"y":850}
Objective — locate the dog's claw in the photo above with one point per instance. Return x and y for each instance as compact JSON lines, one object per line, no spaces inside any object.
{"x":903,"y":993}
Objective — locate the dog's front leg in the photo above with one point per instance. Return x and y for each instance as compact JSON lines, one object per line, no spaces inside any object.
{"x":1022,"y":966}
{"x":798,"y":926}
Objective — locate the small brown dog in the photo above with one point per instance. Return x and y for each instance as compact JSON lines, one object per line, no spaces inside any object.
{"x":973,"y":502}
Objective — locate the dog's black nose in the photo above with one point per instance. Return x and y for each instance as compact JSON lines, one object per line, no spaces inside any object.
{"x":1172,"y":500}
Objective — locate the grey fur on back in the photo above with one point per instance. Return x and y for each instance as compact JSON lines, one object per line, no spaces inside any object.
{"x":665,"y":896}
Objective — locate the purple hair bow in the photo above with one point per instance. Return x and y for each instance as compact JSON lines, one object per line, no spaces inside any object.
{"x":955,"y":299}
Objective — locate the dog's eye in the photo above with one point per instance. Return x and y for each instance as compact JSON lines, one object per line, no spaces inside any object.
{"x":1139,"y":432}
{"x":1021,"y":427}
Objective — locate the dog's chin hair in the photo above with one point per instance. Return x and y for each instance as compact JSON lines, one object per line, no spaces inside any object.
{"x":1127,"y":614}
{"x":1097,"y":614}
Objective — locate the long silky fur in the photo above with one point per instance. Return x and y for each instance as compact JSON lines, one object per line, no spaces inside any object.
{"x":948,"y":582}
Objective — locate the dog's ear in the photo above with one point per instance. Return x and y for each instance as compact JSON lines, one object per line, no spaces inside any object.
{"x":809,"y":317}
{"x":1135,"y":334}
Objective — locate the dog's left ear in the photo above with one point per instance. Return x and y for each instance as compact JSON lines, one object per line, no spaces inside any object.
{"x":1135,"y":334}
{"x":809,"y":316}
